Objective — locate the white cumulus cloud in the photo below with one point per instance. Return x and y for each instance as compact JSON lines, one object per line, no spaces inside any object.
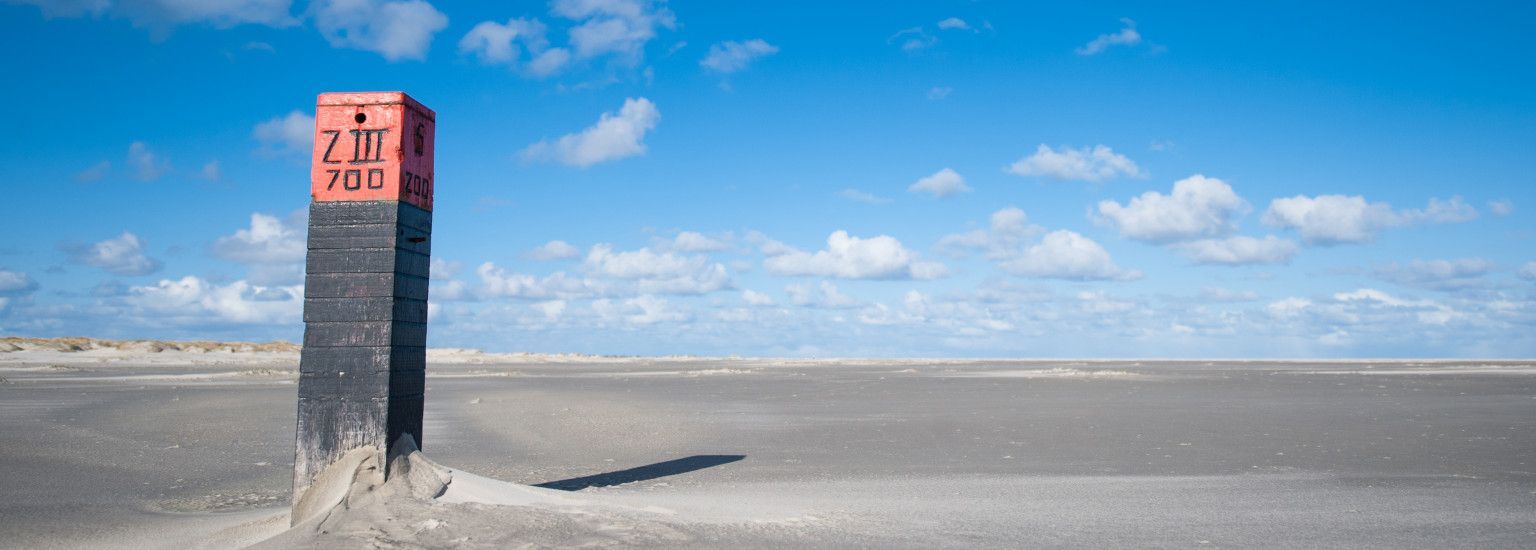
{"x":614,"y":30}
{"x":850,"y":257}
{"x":498,"y":282}
{"x":122,"y":255}
{"x":1335,"y":219}
{"x":497,"y":43}
{"x":640,"y":310}
{"x":16,"y":283}
{"x":657,"y":266}
{"x":1198,"y":207}
{"x":271,"y":248}
{"x":269,"y":240}
{"x":1365,"y":300}
{"x":548,"y":61}
{"x":1091,"y":164}
{"x":692,"y":241}
{"x":619,"y":28}
{"x":1006,"y":232}
{"x":611,"y":273}
{"x":1064,"y":254}
{"x":394,"y":29}
{"x":941,"y":184}
{"x":442,"y":270}
{"x":614,"y":137}
{"x":1361,"y":311}
{"x":191,"y":300}
{"x":554,"y":250}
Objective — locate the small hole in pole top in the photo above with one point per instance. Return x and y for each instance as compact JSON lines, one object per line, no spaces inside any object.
{"x":360,"y":118}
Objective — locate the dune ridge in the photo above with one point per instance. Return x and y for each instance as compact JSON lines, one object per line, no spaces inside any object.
{"x":68,"y":344}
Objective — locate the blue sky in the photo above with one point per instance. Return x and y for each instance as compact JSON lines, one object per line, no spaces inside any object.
{"x":865,"y":179}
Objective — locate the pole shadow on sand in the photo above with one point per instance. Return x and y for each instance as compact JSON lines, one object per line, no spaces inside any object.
{"x":642,"y":473}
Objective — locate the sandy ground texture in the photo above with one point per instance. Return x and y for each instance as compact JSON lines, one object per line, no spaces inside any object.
{"x":190,"y":446}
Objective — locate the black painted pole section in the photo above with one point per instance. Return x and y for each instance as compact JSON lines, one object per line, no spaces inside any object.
{"x":362,"y":372}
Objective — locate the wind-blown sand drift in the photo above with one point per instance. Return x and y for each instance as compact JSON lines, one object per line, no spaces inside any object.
{"x":186,"y":446}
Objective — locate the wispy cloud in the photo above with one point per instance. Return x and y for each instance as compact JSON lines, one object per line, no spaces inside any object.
{"x":94,"y":173}
{"x":554,"y":250}
{"x":944,"y":183}
{"x":954,"y":23}
{"x":1091,"y":164}
{"x":1238,"y":250}
{"x":1455,"y":274}
{"x":147,"y":166}
{"x":731,"y":56}
{"x":1126,"y":36}
{"x":913,"y":39}
{"x":290,"y":134}
{"x":856,"y":195}
{"x":161,"y":15}
{"x":1338,"y":219}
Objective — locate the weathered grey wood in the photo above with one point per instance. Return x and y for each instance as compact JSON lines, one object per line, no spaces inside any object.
{"x":362,"y":385}
{"x":329,"y":427}
{"x":378,"y":235}
{"x":362,"y":358}
{"x":374,"y":308}
{"x":346,"y":385}
{"x":364,"y":285}
{"x":367,"y":260}
{"x":370,"y":212}
{"x":364,"y":333}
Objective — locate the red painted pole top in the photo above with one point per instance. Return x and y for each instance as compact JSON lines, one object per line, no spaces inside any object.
{"x":372,"y":146}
